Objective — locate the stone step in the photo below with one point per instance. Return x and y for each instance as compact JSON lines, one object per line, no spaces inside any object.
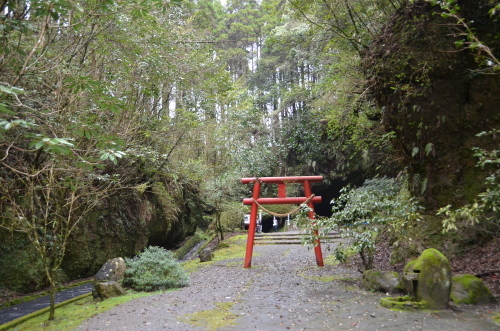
{"x":287,"y":234}
{"x":333,"y":235}
{"x":287,"y":242}
{"x":287,"y":238}
{"x":277,"y":242}
{"x":276,"y":237}
{"x":292,"y":237}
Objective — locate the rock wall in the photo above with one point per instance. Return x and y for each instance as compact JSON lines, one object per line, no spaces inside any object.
{"x":435,"y":97}
{"x":120,"y":226}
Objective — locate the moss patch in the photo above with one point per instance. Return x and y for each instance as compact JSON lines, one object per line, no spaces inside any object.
{"x":330,"y":278}
{"x":212,"y":319}
{"x":403,"y":303}
{"x":350,"y":288}
{"x":233,"y":248}
{"x":330,"y":260}
{"x":238,"y":240}
{"x":68,"y":317}
{"x":323,"y":278}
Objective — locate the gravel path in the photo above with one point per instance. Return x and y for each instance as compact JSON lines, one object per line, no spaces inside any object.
{"x":283,"y":290}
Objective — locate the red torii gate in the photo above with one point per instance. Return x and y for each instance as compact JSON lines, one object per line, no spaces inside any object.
{"x":280,"y":200}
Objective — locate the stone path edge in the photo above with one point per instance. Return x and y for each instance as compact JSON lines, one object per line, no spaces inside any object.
{"x":37,"y":313}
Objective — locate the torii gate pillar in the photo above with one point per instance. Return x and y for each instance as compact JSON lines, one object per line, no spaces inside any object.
{"x":281,"y":199}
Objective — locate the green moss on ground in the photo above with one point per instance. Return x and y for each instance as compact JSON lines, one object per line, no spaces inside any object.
{"x":70,"y":316}
{"x":330,"y":278}
{"x":212,"y":319}
{"x":235,"y":249}
{"x":496,"y":318}
{"x":330,"y":260}
{"x":403,"y":303}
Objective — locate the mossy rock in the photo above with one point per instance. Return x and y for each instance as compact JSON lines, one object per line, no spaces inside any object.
{"x":433,"y":281}
{"x":106,"y":290}
{"x":468,"y":289}
{"x":403,"y":303}
{"x":383,"y":281}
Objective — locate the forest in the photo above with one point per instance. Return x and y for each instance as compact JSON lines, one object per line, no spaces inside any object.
{"x":130,"y":123}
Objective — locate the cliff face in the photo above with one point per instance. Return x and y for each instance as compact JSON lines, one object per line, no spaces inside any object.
{"x":436,"y":97}
{"x":121,"y":226}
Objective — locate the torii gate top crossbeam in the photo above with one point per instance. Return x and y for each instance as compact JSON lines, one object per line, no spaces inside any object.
{"x":280,"y":180}
{"x":280,"y":201}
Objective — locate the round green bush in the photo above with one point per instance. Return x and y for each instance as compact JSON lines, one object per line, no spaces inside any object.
{"x":154,"y":269}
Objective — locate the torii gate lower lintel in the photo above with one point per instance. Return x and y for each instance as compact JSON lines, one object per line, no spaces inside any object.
{"x":281,"y":199}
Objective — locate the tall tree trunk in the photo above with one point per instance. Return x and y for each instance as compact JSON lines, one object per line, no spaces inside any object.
{"x":219,"y":225}
{"x":52,"y":308}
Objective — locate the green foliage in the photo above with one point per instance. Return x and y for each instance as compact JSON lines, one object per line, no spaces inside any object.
{"x":350,"y":23}
{"x":362,"y":213}
{"x":484,"y":212}
{"x":20,"y":268}
{"x":469,"y":38}
{"x":154,"y":269}
{"x":315,"y":92}
{"x":166,"y":200}
{"x":54,"y":145}
{"x":83,"y":109}
{"x":232,"y":217}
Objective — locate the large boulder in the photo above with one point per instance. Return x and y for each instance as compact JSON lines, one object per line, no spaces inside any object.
{"x":113,"y":269}
{"x":384,"y":281}
{"x":428,"y":278}
{"x":468,"y":289}
{"x":105,"y":290}
{"x":107,"y":279}
{"x":205,"y":255}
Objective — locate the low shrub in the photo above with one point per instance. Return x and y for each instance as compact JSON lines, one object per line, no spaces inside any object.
{"x":154,"y":269}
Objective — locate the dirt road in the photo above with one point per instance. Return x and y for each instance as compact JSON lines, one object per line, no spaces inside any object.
{"x":284,"y":290}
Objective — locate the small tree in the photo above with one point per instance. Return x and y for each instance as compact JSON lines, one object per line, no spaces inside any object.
{"x":220,"y":192}
{"x":360,"y":214}
{"x":47,"y":208}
